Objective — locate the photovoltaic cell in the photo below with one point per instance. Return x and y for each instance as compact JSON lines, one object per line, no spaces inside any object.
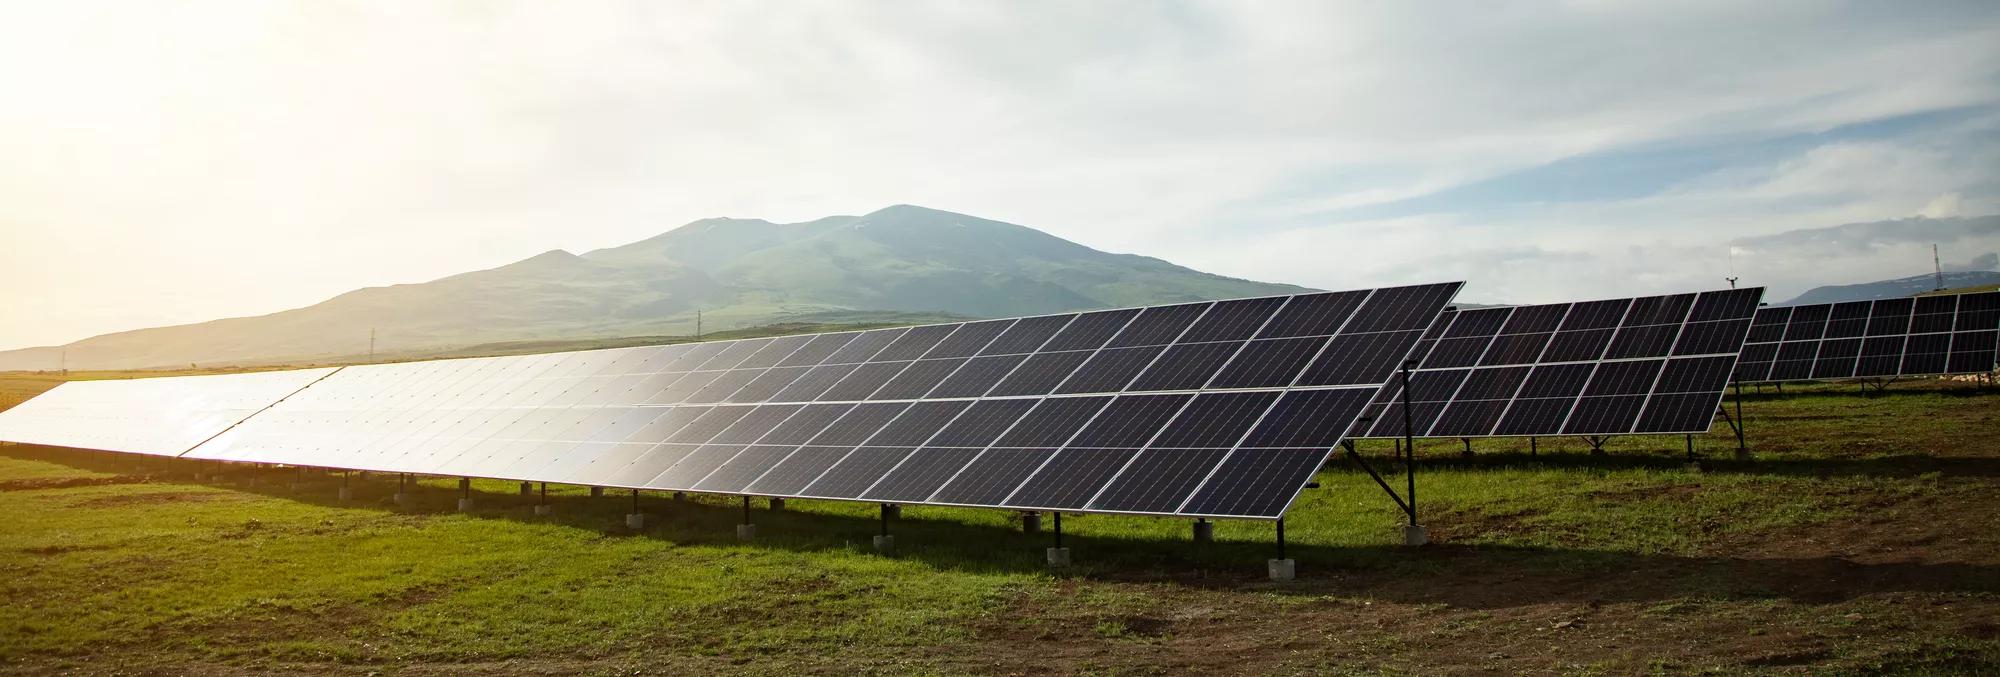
{"x":1614,"y":366}
{"x":1091,"y":331}
{"x":1159,"y":325}
{"x":1206,"y":409}
{"x":154,"y":416}
{"x":1885,"y":338}
{"x":1233,"y":320}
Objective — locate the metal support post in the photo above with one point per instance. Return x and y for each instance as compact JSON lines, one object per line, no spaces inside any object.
{"x":883,"y":541}
{"x":1409,"y":445}
{"x":1058,"y":556}
{"x":747,"y":530}
{"x":636,"y":520}
{"x":1736,"y":422}
{"x":1283,"y":568}
{"x":1281,"y":538}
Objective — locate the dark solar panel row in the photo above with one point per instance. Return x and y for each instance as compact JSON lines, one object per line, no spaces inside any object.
{"x":1920,"y":336}
{"x":1655,"y":364}
{"x":1200,"y":409}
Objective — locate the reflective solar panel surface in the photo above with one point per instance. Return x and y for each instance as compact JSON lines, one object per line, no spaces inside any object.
{"x":1219,"y":409}
{"x":1919,"y":336}
{"x":155,"y":416}
{"x":1656,"y":364}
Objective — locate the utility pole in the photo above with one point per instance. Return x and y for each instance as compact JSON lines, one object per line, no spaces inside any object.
{"x":65,"y":363}
{"x":1732,"y":281}
{"x":697,"y":324}
{"x":1937,"y":267}
{"x":371,"y":344}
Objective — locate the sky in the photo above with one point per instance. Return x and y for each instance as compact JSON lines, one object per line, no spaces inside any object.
{"x":171,"y":162}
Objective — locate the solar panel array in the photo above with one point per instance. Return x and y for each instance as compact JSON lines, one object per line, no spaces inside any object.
{"x":1656,"y":364}
{"x":1925,"y":335}
{"x":1215,"y":409}
{"x":155,"y":416}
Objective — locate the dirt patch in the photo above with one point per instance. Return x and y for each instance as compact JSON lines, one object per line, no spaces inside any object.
{"x":37,"y":483}
{"x":1909,"y":567}
{"x":1949,"y":525}
{"x":1465,"y":525}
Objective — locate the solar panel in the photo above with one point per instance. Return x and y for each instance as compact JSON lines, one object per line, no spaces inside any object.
{"x":1208,"y":409}
{"x":1650,"y":365}
{"x":1920,"y":336}
{"x":153,"y":416}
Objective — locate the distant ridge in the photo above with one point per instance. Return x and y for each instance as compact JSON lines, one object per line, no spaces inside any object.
{"x":898,"y":265}
{"x":1888,"y":289}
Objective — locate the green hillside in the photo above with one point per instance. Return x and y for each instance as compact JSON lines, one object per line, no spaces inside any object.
{"x":899,"y":264}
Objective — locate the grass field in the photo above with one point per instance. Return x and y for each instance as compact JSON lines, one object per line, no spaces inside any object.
{"x":1858,"y":541}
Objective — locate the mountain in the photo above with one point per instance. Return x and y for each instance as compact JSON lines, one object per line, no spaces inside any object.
{"x":900,"y":264}
{"x":1886,"y":289}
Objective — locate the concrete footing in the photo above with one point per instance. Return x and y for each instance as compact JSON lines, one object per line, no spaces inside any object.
{"x":1204,"y":531}
{"x":1031,"y":522}
{"x":527,"y":488}
{"x":542,"y":510}
{"x":777,"y":504}
{"x":198,"y":477}
{"x":746,"y":532}
{"x":634,"y":521}
{"x":400,"y":498}
{"x":1414,"y":534}
{"x":465,"y":505}
{"x":1058,"y":558}
{"x":1281,"y":569}
{"x":346,"y":494}
{"x":597,"y":492}
{"x":884,"y":542}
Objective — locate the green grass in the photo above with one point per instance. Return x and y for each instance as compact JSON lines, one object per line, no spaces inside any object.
{"x":1657,"y":567}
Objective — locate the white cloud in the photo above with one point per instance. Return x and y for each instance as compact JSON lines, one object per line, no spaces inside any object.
{"x":176,"y":162}
{"x":1946,"y":205}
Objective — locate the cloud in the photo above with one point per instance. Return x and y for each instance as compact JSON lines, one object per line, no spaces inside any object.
{"x":1866,"y":238}
{"x":186,"y":161}
{"x":1986,"y":261}
{"x":1946,"y":205}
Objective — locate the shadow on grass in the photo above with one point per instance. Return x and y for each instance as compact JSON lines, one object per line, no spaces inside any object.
{"x":1905,"y":465}
{"x":1467,"y":576}
{"x":1899,"y":388}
